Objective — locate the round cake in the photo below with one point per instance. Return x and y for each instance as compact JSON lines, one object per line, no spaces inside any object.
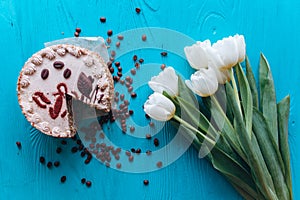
{"x":52,"y":77}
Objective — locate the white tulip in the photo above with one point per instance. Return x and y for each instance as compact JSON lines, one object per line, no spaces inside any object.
{"x":159,"y":107}
{"x":231,"y":50}
{"x":240,"y":40}
{"x":215,"y":62}
{"x":167,"y":80}
{"x":228,"y":51}
{"x":203,"y":82}
{"x":196,"y":54}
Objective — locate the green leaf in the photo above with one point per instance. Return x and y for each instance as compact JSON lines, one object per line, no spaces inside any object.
{"x":268,"y":97}
{"x":252,"y":83}
{"x":271,"y":154}
{"x":283,"y":111}
{"x":246,"y":98}
{"x":251,"y":148}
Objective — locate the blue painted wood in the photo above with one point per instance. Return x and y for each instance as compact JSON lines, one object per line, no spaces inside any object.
{"x":269,"y":26}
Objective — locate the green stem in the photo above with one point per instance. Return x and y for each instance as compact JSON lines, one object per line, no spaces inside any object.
{"x":236,"y":94}
{"x":200,"y":134}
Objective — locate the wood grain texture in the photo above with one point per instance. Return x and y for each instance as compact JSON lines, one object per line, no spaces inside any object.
{"x":269,"y":26}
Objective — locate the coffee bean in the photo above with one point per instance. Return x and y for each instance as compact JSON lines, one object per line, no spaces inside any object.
{"x":83,"y":180}
{"x":156,"y":142}
{"x":159,"y":164}
{"x":141,"y":60}
{"x":49,"y":164}
{"x":42,"y":160}
{"x":148,"y":136}
{"x":133,"y":95}
{"x":18,"y":144}
{"x":164,"y":53}
{"x":163,"y":66}
{"x":44,"y":74}
{"x":88,"y":183}
{"x":118,"y":165}
{"x":146,"y":182}
{"x":102,"y":19}
{"x":78,"y":30}
{"x":63,"y":179}
{"x":56,"y":163}
{"x":137,"y":10}
{"x":58,"y":150}
{"x":74,"y":149}
{"x":109,"y":32}
{"x":144,"y":37}
{"x":76,"y":34}
{"x":58,"y":64}
{"x":67,"y":73}
{"x":120,"y":37}
{"x":138,"y":151}
{"x":130,"y":112}
{"x":134,"y":58}
{"x":133,"y":71}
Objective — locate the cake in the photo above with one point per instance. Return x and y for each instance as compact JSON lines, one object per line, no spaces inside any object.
{"x":52,"y":77}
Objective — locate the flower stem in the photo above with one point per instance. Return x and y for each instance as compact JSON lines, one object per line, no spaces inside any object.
{"x":236,"y":94}
{"x":199,"y":133}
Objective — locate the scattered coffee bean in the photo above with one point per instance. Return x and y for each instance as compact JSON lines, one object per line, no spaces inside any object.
{"x":83,"y":180}
{"x":134,"y":58}
{"x":144,"y":37}
{"x":163,"y":66}
{"x":130,"y":158}
{"x":44,"y":74}
{"x":63,"y":179}
{"x":109,"y":32}
{"x":141,"y":60}
{"x":130,"y":112}
{"x":148,"y":136}
{"x":108,"y":40}
{"x":146,"y":182}
{"x":120,"y":37}
{"x":74,"y":149}
{"x":18,"y":144}
{"x":133,"y":71}
{"x":76,"y":34}
{"x":118,"y":44}
{"x":137,"y":10}
{"x":133,"y":95}
{"x":118,"y":165}
{"x":78,"y":30}
{"x":159,"y":164}
{"x":137,"y":65}
{"x":156,"y":142}
{"x":151,"y":124}
{"x":58,"y":150}
{"x":132,"y":129}
{"x":138,"y":151}
{"x":164,"y":53}
{"x":49,"y":164}
{"x":148,"y":152}
{"x":42,"y":159}
{"x":103,"y":19}
{"x":56,"y":163}
{"x":88,"y":183}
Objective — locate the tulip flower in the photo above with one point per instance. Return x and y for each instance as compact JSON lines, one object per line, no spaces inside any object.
{"x":167,"y":81}
{"x":203,"y":82}
{"x":159,"y":107}
{"x":196,"y":54}
{"x":231,"y":50}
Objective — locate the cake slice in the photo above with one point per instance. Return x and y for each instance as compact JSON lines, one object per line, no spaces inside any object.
{"x":56,"y":72}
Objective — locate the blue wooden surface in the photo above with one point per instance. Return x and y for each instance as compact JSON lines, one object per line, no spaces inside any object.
{"x":269,"y":26}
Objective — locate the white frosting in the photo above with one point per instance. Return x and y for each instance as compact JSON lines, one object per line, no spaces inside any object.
{"x":77,"y":60}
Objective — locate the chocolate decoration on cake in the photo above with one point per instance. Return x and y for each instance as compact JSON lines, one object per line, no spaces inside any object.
{"x":85,"y":84}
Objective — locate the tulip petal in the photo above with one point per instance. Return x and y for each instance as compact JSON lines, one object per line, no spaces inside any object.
{"x":228,"y":50}
{"x":240,"y":41}
{"x":159,"y":107}
{"x":167,"y":80}
{"x":203,"y":82}
{"x":196,"y":54}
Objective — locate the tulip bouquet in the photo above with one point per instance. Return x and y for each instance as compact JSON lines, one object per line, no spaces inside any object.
{"x":237,"y":126}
